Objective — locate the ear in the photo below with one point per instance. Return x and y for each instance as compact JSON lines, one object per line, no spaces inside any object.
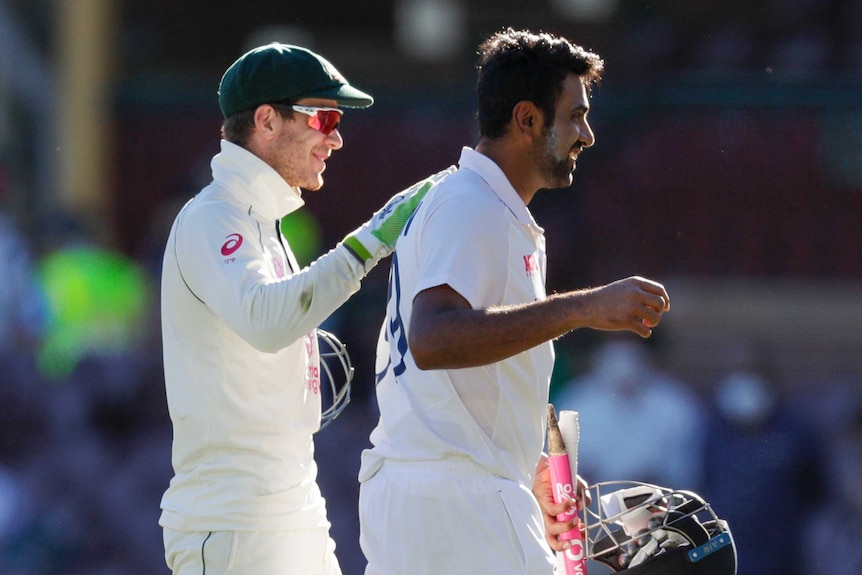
{"x":526,"y":118}
{"x":265,"y":118}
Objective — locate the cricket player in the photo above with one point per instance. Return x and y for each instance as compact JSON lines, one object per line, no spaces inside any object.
{"x":465,"y":354}
{"x":239,"y":321}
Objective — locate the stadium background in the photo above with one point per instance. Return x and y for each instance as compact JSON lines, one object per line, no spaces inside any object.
{"x":728,"y":165}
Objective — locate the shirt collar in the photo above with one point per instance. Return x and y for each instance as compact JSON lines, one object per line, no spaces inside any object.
{"x":254,"y":181}
{"x":489,"y":171}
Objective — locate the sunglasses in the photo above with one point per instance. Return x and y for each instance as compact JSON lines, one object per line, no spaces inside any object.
{"x":324,"y":120}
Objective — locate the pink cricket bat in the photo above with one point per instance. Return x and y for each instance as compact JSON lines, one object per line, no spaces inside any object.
{"x":574,"y":558}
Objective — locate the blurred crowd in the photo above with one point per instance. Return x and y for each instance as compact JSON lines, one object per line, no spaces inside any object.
{"x":84,"y":433}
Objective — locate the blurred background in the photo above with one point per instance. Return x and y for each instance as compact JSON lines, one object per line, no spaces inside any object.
{"x":728,"y":165}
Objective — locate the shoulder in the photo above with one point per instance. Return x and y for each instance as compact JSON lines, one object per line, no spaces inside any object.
{"x":467,"y":183}
{"x":465,"y":197}
{"x":462,"y":217}
{"x":214,"y":204}
{"x":213,"y":216}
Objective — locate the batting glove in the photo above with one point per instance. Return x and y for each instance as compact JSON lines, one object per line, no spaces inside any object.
{"x":376,"y":238}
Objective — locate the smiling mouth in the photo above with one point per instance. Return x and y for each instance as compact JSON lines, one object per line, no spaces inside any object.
{"x":322,"y":160}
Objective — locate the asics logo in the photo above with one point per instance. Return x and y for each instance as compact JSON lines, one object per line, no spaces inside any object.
{"x":234,"y":241}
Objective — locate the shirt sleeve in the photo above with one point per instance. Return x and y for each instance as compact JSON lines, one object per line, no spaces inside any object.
{"x":224,"y":259}
{"x":464,"y":244}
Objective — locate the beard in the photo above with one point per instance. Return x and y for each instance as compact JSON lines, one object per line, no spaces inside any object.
{"x":290,"y":160}
{"x":555,"y":170}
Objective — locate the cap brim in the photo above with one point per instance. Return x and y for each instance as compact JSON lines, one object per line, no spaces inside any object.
{"x":347,"y":96}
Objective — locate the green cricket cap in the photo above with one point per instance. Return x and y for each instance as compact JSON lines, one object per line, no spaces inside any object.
{"x":283,"y":72}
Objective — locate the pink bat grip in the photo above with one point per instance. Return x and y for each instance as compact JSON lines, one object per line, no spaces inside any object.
{"x":561,"y":481}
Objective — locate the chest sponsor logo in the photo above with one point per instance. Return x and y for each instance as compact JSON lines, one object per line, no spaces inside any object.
{"x":531,"y":264}
{"x":230,"y":246}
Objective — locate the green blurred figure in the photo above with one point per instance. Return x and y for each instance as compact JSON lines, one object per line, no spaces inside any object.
{"x":97,"y":303}
{"x":302,"y":231}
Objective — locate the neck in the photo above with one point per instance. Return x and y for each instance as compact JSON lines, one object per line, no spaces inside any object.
{"x":516,"y":164}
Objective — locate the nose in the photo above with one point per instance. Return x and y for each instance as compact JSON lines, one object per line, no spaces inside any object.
{"x":588,"y":138}
{"x":334,"y":139}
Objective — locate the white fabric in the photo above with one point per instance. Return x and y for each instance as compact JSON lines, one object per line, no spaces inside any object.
{"x":301,"y":552}
{"x":241,"y":356}
{"x":475,"y":234}
{"x":479,"y":523}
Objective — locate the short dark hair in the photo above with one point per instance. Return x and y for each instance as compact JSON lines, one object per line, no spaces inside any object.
{"x":518,"y":65}
{"x":237,"y":127}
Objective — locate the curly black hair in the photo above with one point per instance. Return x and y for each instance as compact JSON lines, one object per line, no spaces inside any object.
{"x":518,"y":65}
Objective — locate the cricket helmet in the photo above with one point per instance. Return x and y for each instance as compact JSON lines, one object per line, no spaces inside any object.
{"x":336,"y":373}
{"x":643,"y":529}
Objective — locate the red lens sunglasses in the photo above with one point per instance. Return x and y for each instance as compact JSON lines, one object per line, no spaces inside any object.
{"x":324,"y":120}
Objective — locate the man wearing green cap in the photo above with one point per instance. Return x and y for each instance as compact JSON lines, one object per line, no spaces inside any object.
{"x":239,"y":320}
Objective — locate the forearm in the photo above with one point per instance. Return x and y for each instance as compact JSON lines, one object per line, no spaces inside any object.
{"x":458,"y":338}
{"x":330,"y":281}
{"x":275,"y":315}
{"x":446,"y":333}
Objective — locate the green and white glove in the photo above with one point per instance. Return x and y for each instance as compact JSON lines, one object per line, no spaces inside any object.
{"x":376,"y":238}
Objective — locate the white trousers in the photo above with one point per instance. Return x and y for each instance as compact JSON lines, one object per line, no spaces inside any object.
{"x":452,"y":518}
{"x":299,"y":552}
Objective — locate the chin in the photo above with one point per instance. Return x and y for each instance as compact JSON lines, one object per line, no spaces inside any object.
{"x":313,"y":186}
{"x":563,"y":182}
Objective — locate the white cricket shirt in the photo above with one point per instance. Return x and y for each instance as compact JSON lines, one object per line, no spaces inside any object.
{"x":240,"y":354}
{"x":474,"y":233}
